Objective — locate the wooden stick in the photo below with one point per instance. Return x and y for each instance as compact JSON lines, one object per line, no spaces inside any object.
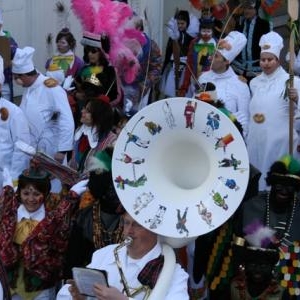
{"x":293,"y":7}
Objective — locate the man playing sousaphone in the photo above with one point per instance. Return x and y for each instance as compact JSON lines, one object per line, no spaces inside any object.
{"x":139,"y":268}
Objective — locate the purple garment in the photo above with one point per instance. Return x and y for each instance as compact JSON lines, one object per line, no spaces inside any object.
{"x":74,"y":71}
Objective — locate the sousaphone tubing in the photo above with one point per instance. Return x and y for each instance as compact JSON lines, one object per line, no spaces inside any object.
{"x":180,"y":168}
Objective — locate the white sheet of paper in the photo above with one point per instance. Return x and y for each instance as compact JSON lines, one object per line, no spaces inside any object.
{"x":85,"y":279}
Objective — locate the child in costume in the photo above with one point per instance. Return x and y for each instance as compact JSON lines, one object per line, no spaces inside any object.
{"x":34,"y":233}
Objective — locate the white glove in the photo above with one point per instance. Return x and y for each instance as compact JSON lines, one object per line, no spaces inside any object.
{"x":25,"y":147}
{"x":7,"y":179}
{"x":67,"y":83}
{"x":172,"y":27}
{"x":80,"y":187}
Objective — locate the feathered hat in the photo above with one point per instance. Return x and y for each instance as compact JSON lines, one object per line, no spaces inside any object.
{"x":285,"y":171}
{"x":257,"y":245}
{"x":106,"y":19}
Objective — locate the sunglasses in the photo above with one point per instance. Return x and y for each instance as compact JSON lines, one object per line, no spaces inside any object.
{"x":92,"y":50}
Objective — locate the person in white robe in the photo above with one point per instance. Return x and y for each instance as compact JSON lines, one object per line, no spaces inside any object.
{"x":268,"y":137}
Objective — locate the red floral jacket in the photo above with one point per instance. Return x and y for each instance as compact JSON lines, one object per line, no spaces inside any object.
{"x":42,"y":253}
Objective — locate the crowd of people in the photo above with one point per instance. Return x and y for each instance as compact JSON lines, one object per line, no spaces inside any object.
{"x":60,"y":209}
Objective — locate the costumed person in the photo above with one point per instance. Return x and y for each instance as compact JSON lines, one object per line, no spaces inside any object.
{"x":182,"y":29}
{"x":268,"y":136}
{"x":111,"y":53}
{"x":34,"y":230}
{"x":13,"y":127}
{"x":231,"y":90}
{"x":279,"y":209}
{"x":64,"y":63}
{"x":141,"y":91}
{"x":95,"y":134}
{"x":143,"y":268}
{"x":97,"y":222}
{"x":198,"y":57}
{"x":216,"y":15}
{"x":257,"y":257}
{"x":96,"y":78}
{"x":46,"y":107}
{"x":8,"y":47}
{"x":253,"y":27}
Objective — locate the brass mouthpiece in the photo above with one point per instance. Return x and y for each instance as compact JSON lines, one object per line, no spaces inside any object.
{"x":128,"y":240}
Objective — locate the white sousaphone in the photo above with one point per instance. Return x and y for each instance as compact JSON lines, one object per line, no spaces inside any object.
{"x":180,"y":168}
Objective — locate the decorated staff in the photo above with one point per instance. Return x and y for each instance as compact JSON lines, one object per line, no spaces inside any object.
{"x":293,"y":8}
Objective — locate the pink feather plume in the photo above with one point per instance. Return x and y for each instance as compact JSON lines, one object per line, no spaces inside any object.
{"x":84,"y":11}
{"x":112,"y":19}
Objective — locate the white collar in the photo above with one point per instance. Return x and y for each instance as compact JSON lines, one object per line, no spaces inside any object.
{"x":90,"y":132}
{"x":227,"y":74}
{"x":210,"y":41}
{"x":38,"y":215}
{"x":279,"y":71}
{"x":68,"y":53}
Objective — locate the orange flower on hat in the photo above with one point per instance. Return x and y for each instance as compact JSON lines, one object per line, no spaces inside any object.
{"x":223,"y":44}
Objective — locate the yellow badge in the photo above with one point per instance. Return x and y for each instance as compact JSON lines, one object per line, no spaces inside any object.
{"x":259,"y":118}
{"x":266,"y":47}
{"x":50,"y":82}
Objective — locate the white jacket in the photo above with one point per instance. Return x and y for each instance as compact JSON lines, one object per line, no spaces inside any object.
{"x":50,"y":117}
{"x":13,"y":129}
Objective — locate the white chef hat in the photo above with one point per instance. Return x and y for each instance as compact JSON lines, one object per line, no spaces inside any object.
{"x":1,"y":70}
{"x":232,"y":45}
{"x":271,"y":42}
{"x":22,"y":62}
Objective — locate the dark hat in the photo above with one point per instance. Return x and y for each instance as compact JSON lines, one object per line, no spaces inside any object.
{"x":285,"y":171}
{"x":206,"y":92}
{"x":206,"y":23}
{"x":257,"y":246}
{"x":35,"y":173}
{"x":37,"y":177}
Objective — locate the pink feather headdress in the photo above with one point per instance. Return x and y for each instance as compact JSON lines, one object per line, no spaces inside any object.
{"x":106,"y":18}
